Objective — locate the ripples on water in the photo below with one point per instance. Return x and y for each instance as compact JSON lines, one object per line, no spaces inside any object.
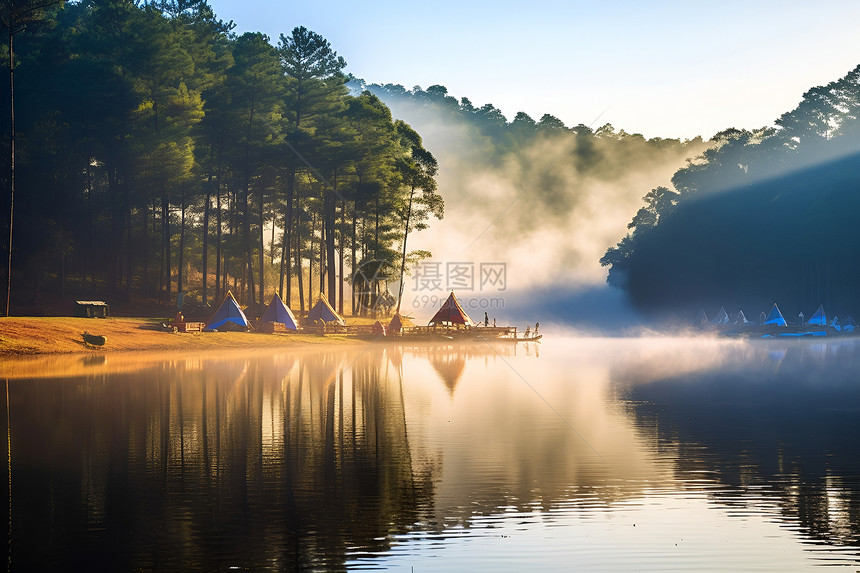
{"x":625,"y":454}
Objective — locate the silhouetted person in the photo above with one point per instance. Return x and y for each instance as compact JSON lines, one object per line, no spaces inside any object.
{"x":537,"y":325}
{"x":486,"y":320}
{"x":527,"y":331}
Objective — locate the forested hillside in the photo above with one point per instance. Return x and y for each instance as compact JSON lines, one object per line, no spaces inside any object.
{"x":764,"y":216}
{"x":545,"y":197}
{"x":156,"y":151}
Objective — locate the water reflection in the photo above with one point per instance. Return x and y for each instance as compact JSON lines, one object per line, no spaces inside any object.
{"x":195,"y":464}
{"x":613,"y":454}
{"x":769,"y":420}
{"x":512,"y":432}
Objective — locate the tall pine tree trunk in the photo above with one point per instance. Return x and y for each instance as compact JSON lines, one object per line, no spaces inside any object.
{"x":340,"y":262}
{"x":129,"y":241}
{"x":115,"y":232}
{"x":204,"y":295}
{"x":165,"y":244}
{"x":288,"y":231}
{"x":262,"y":250}
{"x":352,"y":270}
{"x":311,"y":263}
{"x":245,"y":205}
{"x":11,"y":162}
{"x":179,"y":281}
{"x":298,"y":254}
{"x":330,"y":269}
{"x":218,"y":237}
{"x":284,"y":250}
{"x":249,"y":253}
{"x":323,"y":261}
{"x":403,"y":257}
{"x":145,"y":211}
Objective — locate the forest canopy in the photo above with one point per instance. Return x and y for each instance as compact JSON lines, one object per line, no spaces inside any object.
{"x":766,"y":215}
{"x":157,"y":152}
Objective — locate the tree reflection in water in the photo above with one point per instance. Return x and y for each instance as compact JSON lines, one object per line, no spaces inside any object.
{"x":385,"y":454}
{"x":192,"y":464}
{"x":766,"y":421}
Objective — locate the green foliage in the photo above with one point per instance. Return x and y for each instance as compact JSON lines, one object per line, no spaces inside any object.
{"x":761,"y":215}
{"x":146,"y":127}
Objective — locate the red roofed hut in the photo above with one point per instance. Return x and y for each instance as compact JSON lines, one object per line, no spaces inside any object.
{"x":451,"y":314}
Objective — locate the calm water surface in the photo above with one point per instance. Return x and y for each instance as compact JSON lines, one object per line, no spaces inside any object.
{"x":577,"y":454}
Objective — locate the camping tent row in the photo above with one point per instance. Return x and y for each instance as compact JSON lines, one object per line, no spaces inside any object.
{"x":774,"y":317}
{"x":722,"y":319}
{"x":277,"y":311}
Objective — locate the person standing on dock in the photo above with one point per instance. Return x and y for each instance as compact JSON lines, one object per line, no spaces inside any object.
{"x":486,"y":320}
{"x":527,"y":331}
{"x":537,"y":325}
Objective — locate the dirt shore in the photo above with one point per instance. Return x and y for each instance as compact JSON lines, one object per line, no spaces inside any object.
{"x":23,"y":336}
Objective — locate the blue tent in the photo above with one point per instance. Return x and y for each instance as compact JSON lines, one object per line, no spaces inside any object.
{"x":775,"y":317}
{"x":278,"y":312}
{"x":322,"y":310}
{"x":229,"y":311}
{"x":819,"y":318}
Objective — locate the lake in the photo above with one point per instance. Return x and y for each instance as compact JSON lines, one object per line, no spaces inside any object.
{"x":629,"y":454}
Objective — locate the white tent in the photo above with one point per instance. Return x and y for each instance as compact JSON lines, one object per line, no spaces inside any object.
{"x":720,"y":318}
{"x":740,"y":319}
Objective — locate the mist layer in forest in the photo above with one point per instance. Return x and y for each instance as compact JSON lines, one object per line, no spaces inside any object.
{"x":542,"y":198}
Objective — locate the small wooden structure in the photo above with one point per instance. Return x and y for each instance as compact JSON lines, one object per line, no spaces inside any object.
{"x":189,"y":326}
{"x":91,"y":309}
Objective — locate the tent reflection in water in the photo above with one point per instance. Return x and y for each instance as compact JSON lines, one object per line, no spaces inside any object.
{"x":229,"y":316}
{"x":323,"y":311}
{"x":278,"y":312}
{"x":449,"y":364}
{"x":451,"y":314}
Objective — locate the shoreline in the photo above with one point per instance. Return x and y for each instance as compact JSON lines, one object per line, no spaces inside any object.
{"x":22,"y":337}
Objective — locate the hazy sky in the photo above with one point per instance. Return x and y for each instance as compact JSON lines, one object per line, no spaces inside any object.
{"x":668,"y":69}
